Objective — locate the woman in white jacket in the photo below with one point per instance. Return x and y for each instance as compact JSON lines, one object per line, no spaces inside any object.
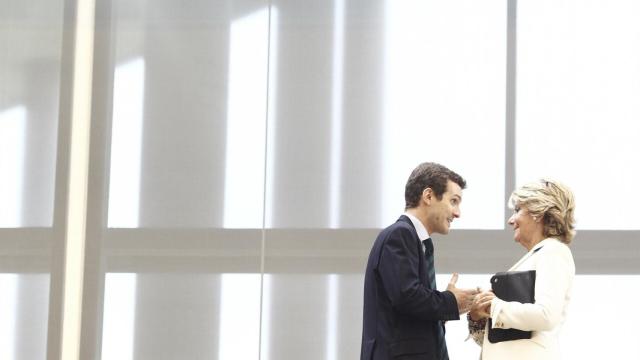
{"x":543,"y":222}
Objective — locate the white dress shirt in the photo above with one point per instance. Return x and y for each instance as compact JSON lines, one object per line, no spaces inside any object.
{"x":420,"y":229}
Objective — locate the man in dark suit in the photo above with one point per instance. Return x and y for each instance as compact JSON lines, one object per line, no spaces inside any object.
{"x":404,"y":313}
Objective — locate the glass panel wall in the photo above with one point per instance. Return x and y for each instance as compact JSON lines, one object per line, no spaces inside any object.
{"x":181,"y":244}
{"x":254,"y":149}
{"x":361,"y":93}
{"x":577,"y":109}
{"x":31,"y":36}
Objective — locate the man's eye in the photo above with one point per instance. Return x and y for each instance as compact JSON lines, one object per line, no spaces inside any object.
{"x":516,"y":209}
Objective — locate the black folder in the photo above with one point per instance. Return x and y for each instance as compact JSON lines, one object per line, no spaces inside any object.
{"x":512,"y":286}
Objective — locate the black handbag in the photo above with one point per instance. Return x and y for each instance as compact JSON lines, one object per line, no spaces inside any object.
{"x":512,"y":286}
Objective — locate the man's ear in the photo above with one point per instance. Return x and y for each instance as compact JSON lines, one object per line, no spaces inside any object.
{"x":427,"y":195}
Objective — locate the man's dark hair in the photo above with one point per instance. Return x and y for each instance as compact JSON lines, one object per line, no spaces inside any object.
{"x":429,"y":175}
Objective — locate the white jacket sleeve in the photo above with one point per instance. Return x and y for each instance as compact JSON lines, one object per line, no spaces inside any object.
{"x":554,"y":276}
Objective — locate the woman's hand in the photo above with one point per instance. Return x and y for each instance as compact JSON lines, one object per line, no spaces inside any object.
{"x":481,"y":306}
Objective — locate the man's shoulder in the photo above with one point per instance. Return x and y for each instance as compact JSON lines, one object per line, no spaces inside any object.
{"x":400,"y":227}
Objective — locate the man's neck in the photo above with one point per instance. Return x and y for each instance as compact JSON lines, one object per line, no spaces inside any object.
{"x":420,"y":215}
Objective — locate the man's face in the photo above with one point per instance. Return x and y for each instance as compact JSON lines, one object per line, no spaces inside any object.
{"x":443,"y":211}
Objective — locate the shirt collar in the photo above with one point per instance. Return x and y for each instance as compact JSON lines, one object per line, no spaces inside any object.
{"x":420,"y":229}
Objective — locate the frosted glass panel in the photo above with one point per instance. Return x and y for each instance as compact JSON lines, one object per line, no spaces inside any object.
{"x":24,"y":310}
{"x":445,"y":101}
{"x":181,"y":316}
{"x":364,"y":92}
{"x":126,"y":148}
{"x":577,"y":109}
{"x":30,"y":63}
{"x":246,"y":125}
{"x":343,"y":103}
{"x":318,"y":315}
{"x":189,"y":114}
{"x":239,"y":316}
{"x":31,"y":33}
{"x":118,"y":325}
{"x":8,"y":309}
{"x":12,"y":149}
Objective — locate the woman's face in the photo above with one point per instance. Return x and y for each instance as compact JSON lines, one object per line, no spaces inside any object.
{"x":527,"y":229}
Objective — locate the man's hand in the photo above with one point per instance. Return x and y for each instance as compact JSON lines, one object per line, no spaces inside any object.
{"x":481,"y":307}
{"x":464,"y":297}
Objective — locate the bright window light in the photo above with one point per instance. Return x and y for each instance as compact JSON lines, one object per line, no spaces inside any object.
{"x":12,"y":153}
{"x":246,"y":123}
{"x":239,"y":316}
{"x":265,"y":315}
{"x":272,"y":124}
{"x":332,"y":317}
{"x":578,"y":85}
{"x":8,"y":311}
{"x":445,"y":101}
{"x":126,"y":145}
{"x":118,"y":325}
{"x":336,"y":112}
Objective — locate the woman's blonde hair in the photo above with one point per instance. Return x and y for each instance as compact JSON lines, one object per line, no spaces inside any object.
{"x":551,"y":201}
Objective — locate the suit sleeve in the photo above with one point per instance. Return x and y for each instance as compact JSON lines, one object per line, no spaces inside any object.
{"x":398,"y":268}
{"x":554,"y":275}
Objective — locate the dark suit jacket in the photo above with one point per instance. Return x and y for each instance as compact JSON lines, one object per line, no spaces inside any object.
{"x":403,"y":316}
